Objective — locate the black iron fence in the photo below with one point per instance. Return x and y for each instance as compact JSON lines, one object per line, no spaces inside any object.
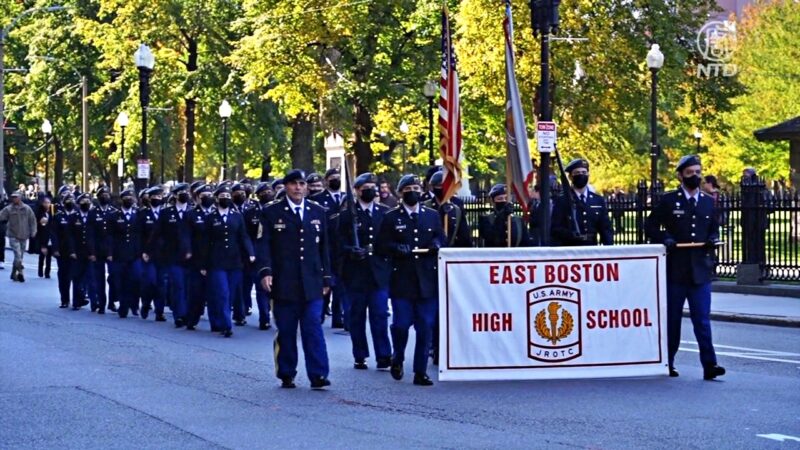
{"x":759,"y":226}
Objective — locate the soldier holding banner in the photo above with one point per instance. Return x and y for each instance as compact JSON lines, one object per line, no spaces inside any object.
{"x":501,"y":228}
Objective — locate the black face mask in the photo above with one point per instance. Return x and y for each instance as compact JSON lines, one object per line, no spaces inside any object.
{"x":155,"y":202}
{"x":438,"y":192}
{"x":69,"y":205}
{"x":264,"y":199}
{"x":411,"y":198}
{"x":224,"y":203}
{"x":103,"y":200}
{"x":580,"y":181}
{"x":238,"y":199}
{"x":367,"y":195}
{"x":183,"y":197}
{"x":85,"y":207}
{"x":692,"y":182}
{"x":499,"y":206}
{"x":127,"y":203}
{"x":314,"y":192}
{"x":334,"y":185}
{"x":207,"y":202}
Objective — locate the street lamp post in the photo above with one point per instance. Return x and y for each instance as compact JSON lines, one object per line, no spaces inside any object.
{"x":404,"y":129}
{"x":145,"y":61}
{"x":430,"y":94}
{"x":122,"y":121}
{"x":47,"y":129}
{"x":697,"y":136}
{"x":225,"y":113}
{"x":655,"y":60}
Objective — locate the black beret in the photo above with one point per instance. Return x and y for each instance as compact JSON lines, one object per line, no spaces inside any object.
{"x":203,"y":188}
{"x":497,"y":189}
{"x":155,"y":190}
{"x":313,"y":177}
{"x":687,"y":161}
{"x":144,"y":192}
{"x":365,"y":178}
{"x":127,"y":193}
{"x":84,"y":197}
{"x":261,"y":187}
{"x":63,"y":189}
{"x":223,"y":188}
{"x":237,"y":187}
{"x":437,"y":178}
{"x":196,"y":184}
{"x":431,"y":170}
{"x":276,"y":182}
{"x":294,"y":175}
{"x":180,"y":187}
{"x":578,"y":163}
{"x":244,"y":181}
{"x":407,"y":180}
{"x":280,"y":194}
{"x":102,"y":190}
{"x":330,"y":172}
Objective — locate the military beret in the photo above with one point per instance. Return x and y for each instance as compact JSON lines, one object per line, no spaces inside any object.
{"x":407,"y":180}
{"x":102,"y":190}
{"x":431,"y":170}
{"x":155,"y":190}
{"x":577,"y":163}
{"x":180,"y":187}
{"x":331,"y":172}
{"x":749,"y":171}
{"x":280,"y":194}
{"x":196,"y":184}
{"x":222,"y":189}
{"x":244,"y":180}
{"x":237,"y":187}
{"x":365,"y":178}
{"x":203,"y":188}
{"x":276,"y":182}
{"x":84,"y":196}
{"x":313,"y":177}
{"x":294,"y":175}
{"x":127,"y":193}
{"x":497,"y":189}
{"x":437,"y":178}
{"x":63,"y":189}
{"x":687,"y":161}
{"x":261,"y":187}
{"x":144,"y":192}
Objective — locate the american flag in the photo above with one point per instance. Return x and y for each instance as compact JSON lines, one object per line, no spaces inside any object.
{"x":519,"y":168}
{"x":449,"y":114}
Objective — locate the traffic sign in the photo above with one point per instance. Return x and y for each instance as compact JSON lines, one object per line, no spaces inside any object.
{"x":143,"y":168}
{"x":546,"y":136}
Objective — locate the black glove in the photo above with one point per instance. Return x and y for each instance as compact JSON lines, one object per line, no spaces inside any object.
{"x":358,"y":253}
{"x":433,"y":249}
{"x":670,"y":243}
{"x":711,"y":244}
{"x":403,"y":250}
{"x":576,"y":236}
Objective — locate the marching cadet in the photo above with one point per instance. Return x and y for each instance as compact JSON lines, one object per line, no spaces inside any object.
{"x":99,"y":218}
{"x":579,"y":219}
{"x":411,"y":235}
{"x":314,"y":182}
{"x":331,"y":199}
{"x":193,"y":191}
{"x":126,"y":250}
{"x":427,"y":190}
{"x":174,"y":251}
{"x":227,"y":247}
{"x":277,"y":185}
{"x":495,"y":228}
{"x":243,"y":303}
{"x":62,"y":250}
{"x":61,"y":195}
{"x":252,"y":219}
{"x":294,"y":266}
{"x":82,"y":253}
{"x":454,"y":221}
{"x":153,"y":270}
{"x":366,"y":274}
{"x":684,"y":221}
{"x":198,"y":283}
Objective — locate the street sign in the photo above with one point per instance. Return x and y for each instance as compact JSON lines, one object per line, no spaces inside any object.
{"x":546,"y":136}
{"x":143,"y":168}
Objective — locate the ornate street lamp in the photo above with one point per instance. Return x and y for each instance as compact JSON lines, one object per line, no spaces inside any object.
{"x":47,"y":130}
{"x":697,"y":136}
{"x":655,"y":60}
{"x":145,"y":61}
{"x":225,"y":112}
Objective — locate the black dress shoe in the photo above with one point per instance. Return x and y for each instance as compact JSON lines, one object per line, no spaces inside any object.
{"x":47,"y":275}
{"x":384,"y":363}
{"x":112,"y":307}
{"x":288,"y":383}
{"x":397,"y":371}
{"x":673,"y":373}
{"x":190,"y":327}
{"x":75,"y":308}
{"x":145,"y":312}
{"x":421,"y":379}
{"x":227,"y":333}
{"x":709,"y":373}
{"x":360,"y":365}
{"x":179,"y":323}
{"x":82,"y":303}
{"x":320,"y":383}
{"x":101,"y":311}
{"x":94,"y":308}
{"x":41,"y":275}
{"x":20,"y":277}
{"x":240,"y":323}
{"x":264,"y":326}
{"x":160,"y":318}
{"x":63,"y":305}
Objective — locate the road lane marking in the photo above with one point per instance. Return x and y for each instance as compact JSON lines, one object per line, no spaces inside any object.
{"x":743,"y":356}
{"x":748,"y":349}
{"x":779,"y":437}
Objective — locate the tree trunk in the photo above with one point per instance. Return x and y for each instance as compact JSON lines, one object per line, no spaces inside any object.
{"x":363,"y":133}
{"x":266,"y":164}
{"x":58,"y":166}
{"x":191,"y":66}
{"x":302,"y":151}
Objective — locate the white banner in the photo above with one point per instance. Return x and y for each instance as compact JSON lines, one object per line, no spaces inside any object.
{"x":542,"y":313}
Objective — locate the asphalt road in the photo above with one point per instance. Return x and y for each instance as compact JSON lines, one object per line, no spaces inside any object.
{"x":78,"y":380}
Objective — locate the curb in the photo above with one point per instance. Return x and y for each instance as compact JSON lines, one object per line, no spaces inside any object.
{"x":754,"y":319}
{"x":772,"y":290}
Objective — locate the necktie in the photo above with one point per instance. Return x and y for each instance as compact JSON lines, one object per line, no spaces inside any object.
{"x":692,"y":203}
{"x":297,"y":211}
{"x":180,"y":214}
{"x":414,"y":217}
{"x":583,"y":198}
{"x":369,"y":212}
{"x":225,"y":218}
{"x":127,"y":216}
{"x":336,"y":197}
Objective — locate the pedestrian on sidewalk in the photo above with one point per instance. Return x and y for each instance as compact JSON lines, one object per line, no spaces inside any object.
{"x":21,"y":226}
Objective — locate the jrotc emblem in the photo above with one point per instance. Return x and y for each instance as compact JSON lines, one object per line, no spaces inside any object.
{"x":554,"y":323}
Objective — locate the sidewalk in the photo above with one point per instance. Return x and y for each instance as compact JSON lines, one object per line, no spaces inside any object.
{"x":757,"y":309}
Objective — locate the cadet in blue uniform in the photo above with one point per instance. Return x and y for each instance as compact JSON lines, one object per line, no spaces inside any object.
{"x":253,"y":223}
{"x":83,"y":253}
{"x":99,"y":218}
{"x":412,"y":234}
{"x":295,"y":268}
{"x":366,"y":274}
{"x":126,"y":252}
{"x":331,"y":199}
{"x":63,"y":249}
{"x":454,"y":221}
{"x":493,"y":228}
{"x":243,"y":303}
{"x":198,"y":284}
{"x":173,"y":234}
{"x":687,"y":216}
{"x":589,"y":217}
{"x":154,"y":273}
{"x":227,"y":247}
{"x":314,"y":183}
